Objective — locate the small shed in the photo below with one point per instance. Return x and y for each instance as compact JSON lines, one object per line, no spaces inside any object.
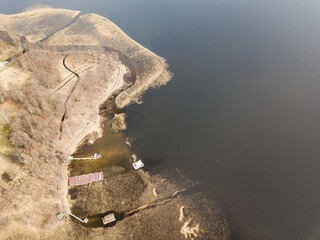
{"x":110,"y":218}
{"x":61,"y":215}
{"x":137,"y":165}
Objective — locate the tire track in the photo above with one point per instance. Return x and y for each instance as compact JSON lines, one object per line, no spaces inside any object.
{"x":68,"y":97}
{"x":69,"y":80}
{"x":61,"y":28}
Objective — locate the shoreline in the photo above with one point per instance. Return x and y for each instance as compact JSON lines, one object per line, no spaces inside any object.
{"x":127,"y":192}
{"x":76,"y":143}
{"x":94,"y":126}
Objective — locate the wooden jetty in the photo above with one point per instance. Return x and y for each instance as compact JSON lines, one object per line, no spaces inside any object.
{"x":79,"y":219}
{"x":95,"y":156}
{"x":85,"y":179}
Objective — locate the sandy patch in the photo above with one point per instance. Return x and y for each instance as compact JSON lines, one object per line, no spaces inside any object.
{"x":37,"y":23}
{"x":12,"y":75}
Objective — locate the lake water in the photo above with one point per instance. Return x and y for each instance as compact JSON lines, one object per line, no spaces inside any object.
{"x":241,"y":114}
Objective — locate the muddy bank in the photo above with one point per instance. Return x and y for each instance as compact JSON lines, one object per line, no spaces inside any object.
{"x":151,"y":203}
{"x":148,"y":207}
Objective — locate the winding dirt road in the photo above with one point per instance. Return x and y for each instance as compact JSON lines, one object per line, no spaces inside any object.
{"x":62,"y":178}
{"x":96,"y":107}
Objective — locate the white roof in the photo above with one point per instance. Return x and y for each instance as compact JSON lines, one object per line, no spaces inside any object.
{"x":138,"y":164}
{"x":108,"y":218}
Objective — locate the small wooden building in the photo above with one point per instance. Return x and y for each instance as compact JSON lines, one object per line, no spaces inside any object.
{"x":138,"y":164}
{"x":110,"y":218}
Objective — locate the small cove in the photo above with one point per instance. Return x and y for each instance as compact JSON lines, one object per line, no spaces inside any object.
{"x":111,"y":146}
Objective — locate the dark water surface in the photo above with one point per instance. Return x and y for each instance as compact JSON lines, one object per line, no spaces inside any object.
{"x":111,"y":146}
{"x":242,"y":114}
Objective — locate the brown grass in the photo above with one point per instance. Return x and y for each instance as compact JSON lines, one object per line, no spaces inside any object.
{"x":32,"y":193}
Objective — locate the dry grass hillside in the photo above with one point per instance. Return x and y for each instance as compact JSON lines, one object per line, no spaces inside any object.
{"x":44,"y":107}
{"x":62,"y":68}
{"x":38,"y":23}
{"x":91,"y":29}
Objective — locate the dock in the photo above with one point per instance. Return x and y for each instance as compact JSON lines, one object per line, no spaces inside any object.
{"x":85,"y":179}
{"x":95,"y":156}
{"x":79,"y":219}
{"x":62,"y":215}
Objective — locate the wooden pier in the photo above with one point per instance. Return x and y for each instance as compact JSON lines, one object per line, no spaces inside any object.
{"x":63,"y":214}
{"x":85,"y":179}
{"x":79,"y":219}
{"x":95,"y":156}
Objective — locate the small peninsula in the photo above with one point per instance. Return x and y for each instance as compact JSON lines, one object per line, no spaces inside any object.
{"x":64,"y":75}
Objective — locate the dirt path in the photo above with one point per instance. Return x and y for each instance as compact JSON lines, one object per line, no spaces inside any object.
{"x":96,"y":107}
{"x":62,"y":180}
{"x":69,"y":95}
{"x":63,"y":27}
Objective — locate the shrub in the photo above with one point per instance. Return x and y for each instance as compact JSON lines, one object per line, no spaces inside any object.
{"x":20,"y":139}
{"x":3,"y":95}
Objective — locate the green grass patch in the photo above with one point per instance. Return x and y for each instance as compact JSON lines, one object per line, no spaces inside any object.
{"x":5,"y":134}
{"x":3,"y":57}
